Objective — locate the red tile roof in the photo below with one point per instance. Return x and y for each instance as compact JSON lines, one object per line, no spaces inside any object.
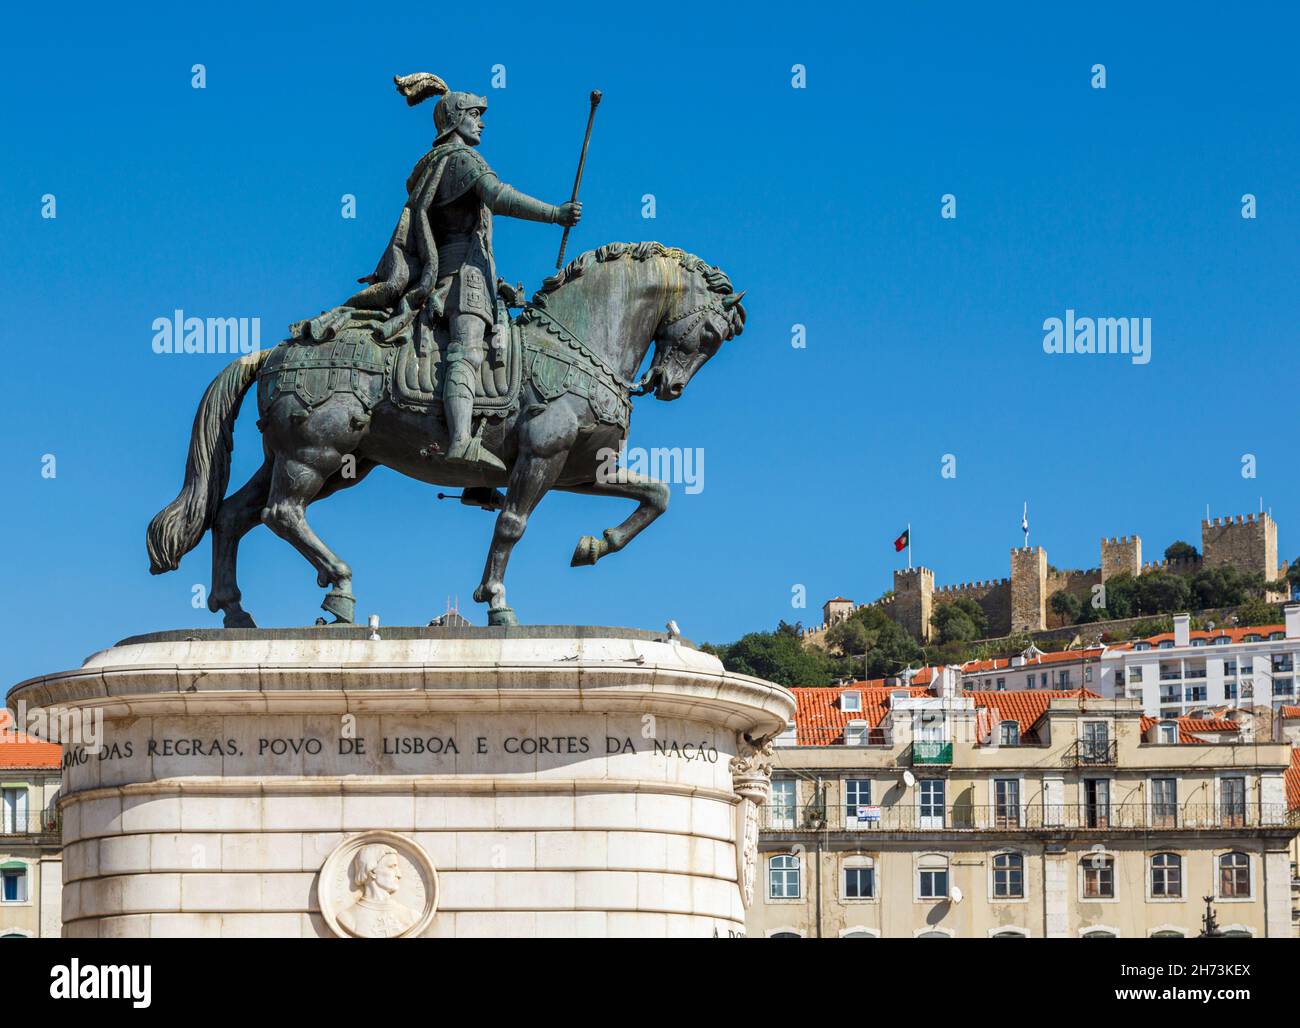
{"x":1289,"y":712}
{"x":819,"y":721}
{"x":1024,"y":706}
{"x":1292,"y":779}
{"x":1188,"y":725}
{"x":18,"y":750}
{"x":975,"y":667}
{"x":1235,"y":634}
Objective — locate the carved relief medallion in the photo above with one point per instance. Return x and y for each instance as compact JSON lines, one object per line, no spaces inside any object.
{"x":378,"y":885}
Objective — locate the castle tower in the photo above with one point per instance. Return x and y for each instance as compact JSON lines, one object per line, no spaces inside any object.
{"x":914,"y":601}
{"x":1028,"y":589}
{"x":1122,"y":556}
{"x":1247,"y":543}
{"x":836,"y":610}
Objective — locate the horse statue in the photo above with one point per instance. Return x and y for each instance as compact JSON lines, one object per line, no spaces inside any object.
{"x":553,"y":403}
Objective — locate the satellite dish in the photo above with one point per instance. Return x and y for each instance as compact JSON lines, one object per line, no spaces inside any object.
{"x":909,"y":779}
{"x":956,"y":894}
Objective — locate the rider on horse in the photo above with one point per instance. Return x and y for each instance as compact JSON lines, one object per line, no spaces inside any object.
{"x":439,"y":263}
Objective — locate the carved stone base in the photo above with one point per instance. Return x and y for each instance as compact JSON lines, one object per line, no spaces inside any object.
{"x":438,"y":782}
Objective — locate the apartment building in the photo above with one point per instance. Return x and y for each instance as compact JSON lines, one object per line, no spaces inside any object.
{"x":937,"y":812}
{"x":1179,"y":672}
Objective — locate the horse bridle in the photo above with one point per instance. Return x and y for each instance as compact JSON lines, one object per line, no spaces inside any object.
{"x":647,"y":380}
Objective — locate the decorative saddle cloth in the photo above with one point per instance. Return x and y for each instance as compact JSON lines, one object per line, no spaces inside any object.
{"x":343,"y":351}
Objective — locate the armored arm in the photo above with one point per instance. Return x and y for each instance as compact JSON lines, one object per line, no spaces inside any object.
{"x":509,"y":202}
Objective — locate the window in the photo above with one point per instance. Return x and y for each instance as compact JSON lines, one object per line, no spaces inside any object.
{"x":1010,"y":933}
{"x":1283,"y":686}
{"x":857,"y":798}
{"x":1009,"y":876}
{"x":932,"y":877}
{"x":1009,"y":733}
{"x":1029,"y":682}
{"x":1167,"y":934}
{"x":1165,"y":644}
{"x":1234,"y":876}
{"x":1096,"y":803}
{"x":1134,"y":676}
{"x":931,"y":802}
{"x":1095,"y":748}
{"x":859,"y":881}
{"x":1063,"y":679}
{"x":1087,"y":673}
{"x":1043,"y":679}
{"x":783,"y":876}
{"x":781,"y":807}
{"x":1164,"y":803}
{"x":1006,"y":802}
{"x":1142,"y":646}
{"x":1099,"y":933}
{"x":851,"y":702}
{"x":855,"y":733}
{"x":13,"y":810}
{"x":1166,"y":876}
{"x":1194,"y":694}
{"x":13,"y":884}
{"x":1169,"y":733}
{"x":1232,"y":801}
{"x":1229,"y":690}
{"x":1229,"y":669}
{"x":1098,"y":876}
{"x":1002,"y":684}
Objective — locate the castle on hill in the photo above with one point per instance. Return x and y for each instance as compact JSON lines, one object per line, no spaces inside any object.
{"x":1022,"y":601}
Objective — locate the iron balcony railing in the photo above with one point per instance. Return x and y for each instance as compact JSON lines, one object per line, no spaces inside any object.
{"x":42,"y":823}
{"x":928,"y":752}
{"x":1092,"y":753}
{"x":1020,"y":817}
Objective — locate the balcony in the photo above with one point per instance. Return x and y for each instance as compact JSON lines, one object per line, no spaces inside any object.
{"x":929,"y":752}
{"x":44,"y":826}
{"x":1092,"y":753}
{"x":912,"y":816}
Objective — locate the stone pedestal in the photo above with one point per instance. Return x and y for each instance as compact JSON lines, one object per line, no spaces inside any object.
{"x":439,"y":782}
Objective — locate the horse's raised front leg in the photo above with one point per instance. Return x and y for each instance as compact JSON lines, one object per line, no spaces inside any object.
{"x":530,"y":479}
{"x":652,"y":500}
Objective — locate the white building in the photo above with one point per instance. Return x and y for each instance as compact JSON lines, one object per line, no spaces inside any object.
{"x":1176,"y":673}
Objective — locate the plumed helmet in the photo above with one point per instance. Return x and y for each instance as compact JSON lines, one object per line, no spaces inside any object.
{"x":451,"y":109}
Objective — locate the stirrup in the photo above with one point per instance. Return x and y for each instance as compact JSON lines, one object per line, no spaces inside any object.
{"x":474,"y":452}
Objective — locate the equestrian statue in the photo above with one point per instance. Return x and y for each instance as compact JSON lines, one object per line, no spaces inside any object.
{"x":424,"y":371}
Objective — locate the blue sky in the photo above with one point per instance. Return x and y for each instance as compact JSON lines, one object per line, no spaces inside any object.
{"x":924,"y":335}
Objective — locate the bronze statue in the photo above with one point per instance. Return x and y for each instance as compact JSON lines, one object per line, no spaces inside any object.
{"x":396,"y":375}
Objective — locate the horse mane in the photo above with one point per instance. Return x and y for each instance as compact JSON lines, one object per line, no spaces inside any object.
{"x":715,"y":278}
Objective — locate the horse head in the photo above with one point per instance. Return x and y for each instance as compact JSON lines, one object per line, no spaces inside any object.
{"x":706,"y":314}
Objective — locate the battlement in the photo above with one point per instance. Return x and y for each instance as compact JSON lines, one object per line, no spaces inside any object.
{"x":1239,"y":519}
{"x":964,"y":587}
{"x":1177,"y":566}
{"x":1121,"y":540}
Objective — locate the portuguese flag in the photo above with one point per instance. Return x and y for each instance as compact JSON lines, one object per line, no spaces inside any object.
{"x":901,"y":542}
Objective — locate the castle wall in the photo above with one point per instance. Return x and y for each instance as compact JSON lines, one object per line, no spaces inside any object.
{"x":1028,"y":589}
{"x":993,"y":597}
{"x":1075,"y":583}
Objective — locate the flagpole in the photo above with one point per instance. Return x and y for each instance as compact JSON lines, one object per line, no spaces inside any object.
{"x":909,"y":546}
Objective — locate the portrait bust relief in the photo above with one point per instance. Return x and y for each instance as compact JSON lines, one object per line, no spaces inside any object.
{"x":378,"y":885}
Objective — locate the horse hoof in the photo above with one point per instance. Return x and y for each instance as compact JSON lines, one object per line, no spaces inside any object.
{"x":342,"y":605}
{"x":588,"y":551}
{"x":502,"y":616}
{"x":239,"y":619}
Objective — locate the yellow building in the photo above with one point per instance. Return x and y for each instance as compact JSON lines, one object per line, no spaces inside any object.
{"x":929,"y":812}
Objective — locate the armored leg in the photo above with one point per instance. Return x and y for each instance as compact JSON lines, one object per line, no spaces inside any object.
{"x":464,"y":358}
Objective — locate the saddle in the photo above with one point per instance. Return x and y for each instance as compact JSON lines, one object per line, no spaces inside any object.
{"x":343,"y":351}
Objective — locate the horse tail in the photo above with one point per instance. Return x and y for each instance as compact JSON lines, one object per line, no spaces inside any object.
{"x":178,"y":527}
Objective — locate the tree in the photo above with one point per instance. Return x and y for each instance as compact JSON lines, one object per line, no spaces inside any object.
{"x":959,"y":620}
{"x":1066,"y":606}
{"x":1257,"y":612}
{"x":1160,"y":592}
{"x":1225,"y":586}
{"x":779,"y":656}
{"x":873,"y":644}
{"x":1179,"y":550}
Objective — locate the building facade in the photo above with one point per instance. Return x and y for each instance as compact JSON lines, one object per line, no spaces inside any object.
{"x":31,"y":871}
{"x":954,"y":813}
{"x":1184,"y":671}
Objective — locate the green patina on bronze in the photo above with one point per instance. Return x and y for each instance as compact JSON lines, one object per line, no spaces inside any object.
{"x":424,"y":372}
